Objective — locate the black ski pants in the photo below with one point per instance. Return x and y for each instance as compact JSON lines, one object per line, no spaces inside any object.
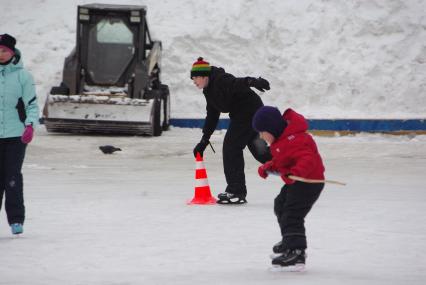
{"x":239,"y":135}
{"x":12,"y":154}
{"x":291,"y":207}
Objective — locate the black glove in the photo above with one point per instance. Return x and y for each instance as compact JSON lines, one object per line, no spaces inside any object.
{"x":201,"y":146}
{"x":258,"y":83}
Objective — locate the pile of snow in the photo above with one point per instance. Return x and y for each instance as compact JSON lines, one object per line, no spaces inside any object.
{"x":327,"y":59}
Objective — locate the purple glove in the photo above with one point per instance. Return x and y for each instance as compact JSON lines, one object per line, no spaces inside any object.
{"x":28,"y":134}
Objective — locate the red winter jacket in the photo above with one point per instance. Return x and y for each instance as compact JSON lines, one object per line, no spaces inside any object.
{"x":295,"y":151}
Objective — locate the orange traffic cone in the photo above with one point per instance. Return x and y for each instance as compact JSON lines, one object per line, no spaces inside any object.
{"x":202,"y":189}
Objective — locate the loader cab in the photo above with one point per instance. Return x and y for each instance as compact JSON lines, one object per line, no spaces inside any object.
{"x":110,"y":38}
{"x":112,"y":45}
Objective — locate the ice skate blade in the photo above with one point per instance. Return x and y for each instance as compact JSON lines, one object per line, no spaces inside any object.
{"x":293,"y":268}
{"x":230,"y":202}
{"x":274,"y":255}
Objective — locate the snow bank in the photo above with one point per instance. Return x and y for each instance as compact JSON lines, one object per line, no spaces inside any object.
{"x":327,"y":59}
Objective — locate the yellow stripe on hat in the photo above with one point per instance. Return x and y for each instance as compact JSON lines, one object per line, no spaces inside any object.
{"x":201,"y":65}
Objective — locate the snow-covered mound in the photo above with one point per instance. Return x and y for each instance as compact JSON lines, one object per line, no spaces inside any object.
{"x":327,"y":59}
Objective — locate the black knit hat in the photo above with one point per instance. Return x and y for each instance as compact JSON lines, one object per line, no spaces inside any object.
{"x":8,"y":41}
{"x":269,"y":119}
{"x":200,"y":68}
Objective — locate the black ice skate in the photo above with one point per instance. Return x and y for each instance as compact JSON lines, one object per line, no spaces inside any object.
{"x":229,"y":198}
{"x":290,"y":260}
{"x":277,"y":249}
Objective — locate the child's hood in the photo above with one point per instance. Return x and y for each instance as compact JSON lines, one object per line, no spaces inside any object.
{"x":296,"y":123}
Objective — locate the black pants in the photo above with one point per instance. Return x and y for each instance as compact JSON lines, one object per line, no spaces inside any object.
{"x":12,"y":153}
{"x":239,"y":135}
{"x":291,"y":207}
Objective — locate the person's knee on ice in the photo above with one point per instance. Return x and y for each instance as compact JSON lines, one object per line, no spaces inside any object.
{"x":259,"y":149}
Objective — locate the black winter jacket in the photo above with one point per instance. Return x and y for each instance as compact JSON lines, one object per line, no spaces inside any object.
{"x":227,"y":94}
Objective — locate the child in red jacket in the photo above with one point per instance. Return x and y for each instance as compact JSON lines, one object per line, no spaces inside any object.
{"x":294,"y":152}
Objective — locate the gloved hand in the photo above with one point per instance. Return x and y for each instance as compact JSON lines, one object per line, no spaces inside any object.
{"x":28,"y":134}
{"x":258,"y":83}
{"x":201,"y":146}
{"x":264,"y":169}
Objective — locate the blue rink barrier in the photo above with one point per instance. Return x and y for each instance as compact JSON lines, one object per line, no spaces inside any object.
{"x":334,"y":125}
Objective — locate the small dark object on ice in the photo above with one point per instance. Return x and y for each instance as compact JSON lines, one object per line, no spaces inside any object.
{"x":109,"y":149}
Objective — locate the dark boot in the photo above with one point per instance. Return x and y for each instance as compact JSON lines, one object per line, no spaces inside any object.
{"x":290,"y":260}
{"x":277,"y":249}
{"x":230,"y":198}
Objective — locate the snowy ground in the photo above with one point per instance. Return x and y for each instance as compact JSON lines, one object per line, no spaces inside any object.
{"x":122,"y":219}
{"x":326,"y":59}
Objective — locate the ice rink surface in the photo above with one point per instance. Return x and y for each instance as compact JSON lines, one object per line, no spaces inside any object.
{"x":122,"y":219}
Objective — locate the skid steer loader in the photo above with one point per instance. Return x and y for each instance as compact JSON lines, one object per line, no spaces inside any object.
{"x":111,"y":80}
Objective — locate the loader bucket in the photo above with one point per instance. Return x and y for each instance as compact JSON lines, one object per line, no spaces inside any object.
{"x":99,"y":114}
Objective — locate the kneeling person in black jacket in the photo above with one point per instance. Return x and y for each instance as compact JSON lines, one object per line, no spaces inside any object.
{"x":225,"y":93}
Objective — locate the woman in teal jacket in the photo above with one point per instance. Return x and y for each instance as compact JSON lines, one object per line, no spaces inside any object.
{"x":18,"y":114}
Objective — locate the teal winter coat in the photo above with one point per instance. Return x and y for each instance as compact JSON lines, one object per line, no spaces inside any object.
{"x":18,"y":102}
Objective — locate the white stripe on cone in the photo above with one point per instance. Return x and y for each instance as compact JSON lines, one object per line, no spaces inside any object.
{"x":201,"y":182}
{"x":199,"y":165}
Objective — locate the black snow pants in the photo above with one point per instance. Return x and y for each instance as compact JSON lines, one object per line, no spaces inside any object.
{"x":239,"y":135}
{"x":12,"y":154}
{"x":291,"y":207}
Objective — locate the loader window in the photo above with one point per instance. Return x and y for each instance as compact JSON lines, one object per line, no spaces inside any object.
{"x":110,"y":50}
{"x":113,"y":31}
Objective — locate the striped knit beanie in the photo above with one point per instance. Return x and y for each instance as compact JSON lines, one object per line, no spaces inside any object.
{"x":200,"y":68}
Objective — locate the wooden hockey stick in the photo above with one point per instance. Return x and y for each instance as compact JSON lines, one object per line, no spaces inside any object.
{"x":297,"y":178}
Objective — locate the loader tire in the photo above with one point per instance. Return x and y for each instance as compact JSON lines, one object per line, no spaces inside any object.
{"x":157,"y":129}
{"x":165,"y":94}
